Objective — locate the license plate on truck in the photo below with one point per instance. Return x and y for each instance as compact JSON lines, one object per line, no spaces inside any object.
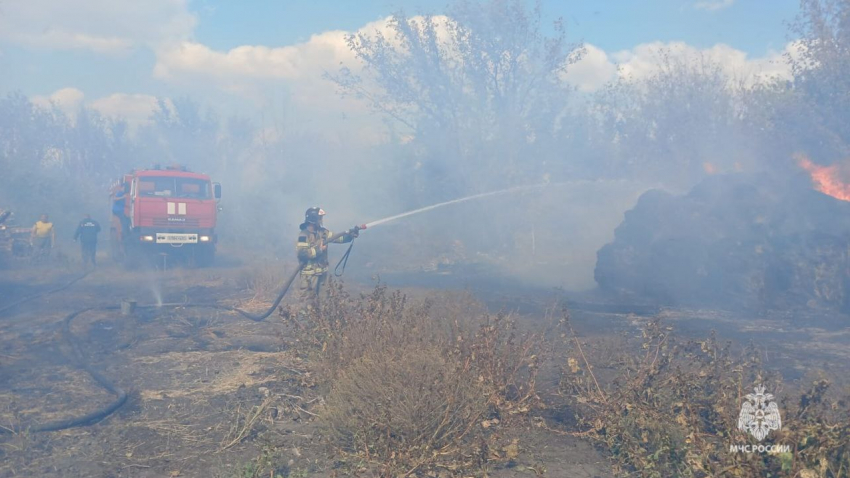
{"x":171,"y":238}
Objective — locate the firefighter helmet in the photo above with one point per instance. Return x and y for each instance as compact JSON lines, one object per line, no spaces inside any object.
{"x":314,"y":215}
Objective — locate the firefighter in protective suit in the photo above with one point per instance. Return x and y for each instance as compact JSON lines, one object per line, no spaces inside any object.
{"x":312,"y":252}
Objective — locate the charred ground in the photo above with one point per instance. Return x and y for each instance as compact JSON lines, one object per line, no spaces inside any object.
{"x":213,"y":394}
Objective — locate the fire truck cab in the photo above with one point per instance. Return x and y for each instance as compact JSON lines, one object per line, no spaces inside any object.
{"x":164,"y":211}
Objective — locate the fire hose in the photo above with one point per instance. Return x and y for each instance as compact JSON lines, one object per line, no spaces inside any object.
{"x":43,"y":293}
{"x":78,"y":358}
{"x":120,"y":395}
{"x":343,"y":261}
{"x":353,"y":232}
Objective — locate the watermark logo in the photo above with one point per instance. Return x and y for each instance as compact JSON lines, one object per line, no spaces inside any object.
{"x":772,"y":449}
{"x":759,"y":415}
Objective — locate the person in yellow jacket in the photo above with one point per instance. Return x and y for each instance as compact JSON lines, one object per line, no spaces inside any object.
{"x":312,"y":250}
{"x":43,"y":237}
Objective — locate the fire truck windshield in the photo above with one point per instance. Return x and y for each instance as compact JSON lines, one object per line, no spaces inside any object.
{"x":159,"y":186}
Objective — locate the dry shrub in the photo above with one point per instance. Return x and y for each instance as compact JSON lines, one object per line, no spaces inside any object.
{"x":408,"y":408}
{"x":672,"y":409}
{"x":410,"y":384}
{"x":818,"y":427}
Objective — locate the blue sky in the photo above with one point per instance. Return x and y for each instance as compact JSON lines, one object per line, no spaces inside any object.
{"x":242,"y":57}
{"x":750,"y":25}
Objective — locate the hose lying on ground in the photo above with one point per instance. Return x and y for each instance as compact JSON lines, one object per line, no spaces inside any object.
{"x":79,"y":360}
{"x":263,"y":316}
{"x":45,"y":292}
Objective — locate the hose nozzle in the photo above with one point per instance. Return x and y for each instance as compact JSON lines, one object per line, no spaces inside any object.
{"x":355,"y":231}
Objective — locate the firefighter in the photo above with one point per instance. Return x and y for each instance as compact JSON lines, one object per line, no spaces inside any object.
{"x":43,"y":237}
{"x":312,"y":252}
{"x":87,"y":232}
{"x":118,"y":208}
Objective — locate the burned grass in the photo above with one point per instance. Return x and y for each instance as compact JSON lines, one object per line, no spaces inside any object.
{"x":358,"y":387}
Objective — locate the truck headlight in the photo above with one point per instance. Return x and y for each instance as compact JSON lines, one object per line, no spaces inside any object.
{"x":147,"y":238}
{"x":204,"y":238}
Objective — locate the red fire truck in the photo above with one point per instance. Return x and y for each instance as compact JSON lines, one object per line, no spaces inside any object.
{"x":164,"y":212}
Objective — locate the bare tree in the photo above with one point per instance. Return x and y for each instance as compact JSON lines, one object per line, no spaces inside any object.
{"x":821,"y":68}
{"x":479,"y":91}
{"x":51,"y":162}
{"x":683,"y":121}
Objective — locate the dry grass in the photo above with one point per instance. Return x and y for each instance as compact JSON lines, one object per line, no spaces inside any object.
{"x":263,"y":282}
{"x":55,"y":393}
{"x":413,"y":387}
{"x":245,"y":419}
{"x":671,"y":409}
{"x":219,"y":373}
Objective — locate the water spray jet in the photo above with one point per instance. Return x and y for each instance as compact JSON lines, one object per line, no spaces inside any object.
{"x":453,"y":201}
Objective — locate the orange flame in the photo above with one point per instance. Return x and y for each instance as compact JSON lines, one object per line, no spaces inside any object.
{"x":825,"y":179}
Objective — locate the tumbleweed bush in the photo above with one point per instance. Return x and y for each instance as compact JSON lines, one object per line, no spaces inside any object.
{"x":409,"y":383}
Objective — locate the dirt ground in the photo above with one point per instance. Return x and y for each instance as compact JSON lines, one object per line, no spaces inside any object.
{"x":213,"y":394}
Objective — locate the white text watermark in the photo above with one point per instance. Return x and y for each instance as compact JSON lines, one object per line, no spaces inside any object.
{"x":759,"y":448}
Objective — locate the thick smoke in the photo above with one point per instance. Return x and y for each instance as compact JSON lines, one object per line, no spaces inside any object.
{"x":472,"y":101}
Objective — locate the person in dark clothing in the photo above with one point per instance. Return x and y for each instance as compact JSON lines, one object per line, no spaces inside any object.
{"x":87,"y":232}
{"x":118,"y":208}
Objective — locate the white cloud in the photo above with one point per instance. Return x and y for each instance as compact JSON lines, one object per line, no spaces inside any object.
{"x":248,"y":61}
{"x":262,"y":73}
{"x":67,"y":100}
{"x":642,"y":60}
{"x":103,"y":26}
{"x":592,"y":71}
{"x":598,"y":67}
{"x":246,"y":72}
{"x":136,"y":109}
{"x":259,"y":72}
{"x":287,"y":82}
{"x":713,"y":5}
{"x":304,"y":61}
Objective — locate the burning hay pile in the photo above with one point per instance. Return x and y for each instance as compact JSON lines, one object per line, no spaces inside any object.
{"x":734,"y":241}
